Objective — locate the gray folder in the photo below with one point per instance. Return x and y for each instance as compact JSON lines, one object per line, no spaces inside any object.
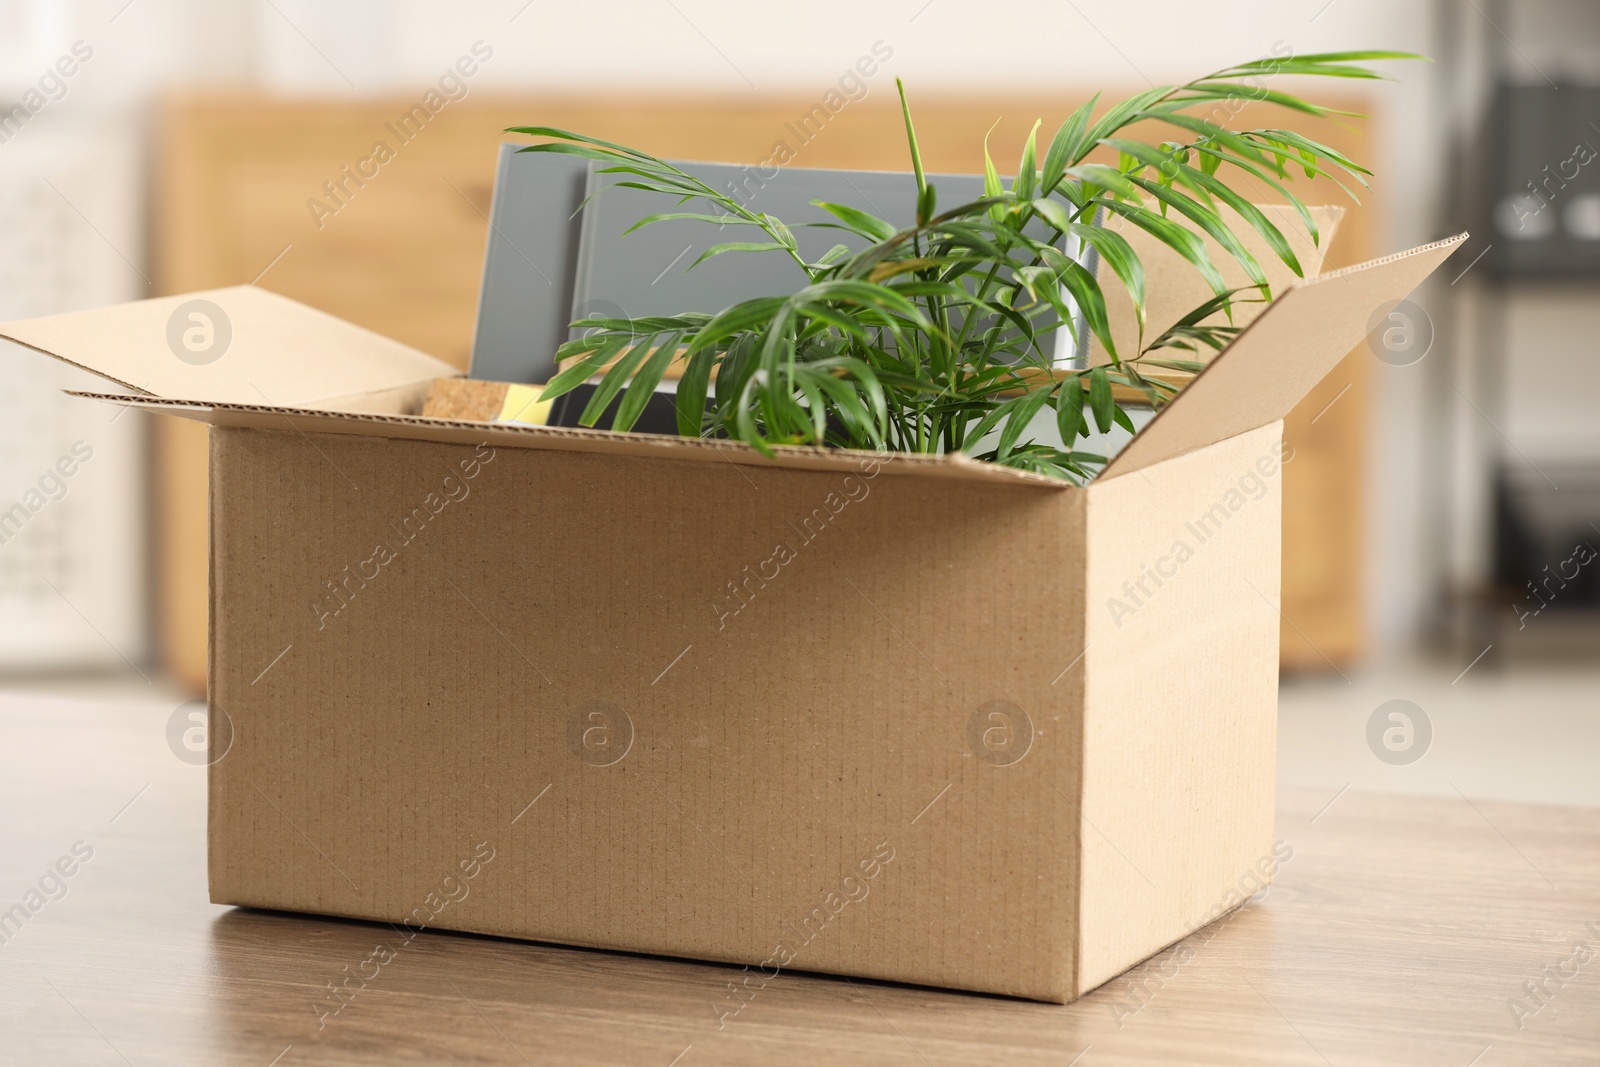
{"x":530,"y":265}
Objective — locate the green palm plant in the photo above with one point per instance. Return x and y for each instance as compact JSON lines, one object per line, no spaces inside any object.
{"x":931,"y":338}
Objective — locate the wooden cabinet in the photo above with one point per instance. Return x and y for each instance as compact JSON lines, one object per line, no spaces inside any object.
{"x":240,"y":181}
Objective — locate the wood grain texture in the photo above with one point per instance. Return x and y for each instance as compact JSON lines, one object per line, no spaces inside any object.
{"x":403,"y":256}
{"x":1396,"y":934}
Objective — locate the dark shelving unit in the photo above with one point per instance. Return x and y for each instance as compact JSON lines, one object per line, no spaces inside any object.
{"x":1524,"y":177}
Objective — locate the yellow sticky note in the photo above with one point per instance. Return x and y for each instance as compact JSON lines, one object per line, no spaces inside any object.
{"x":523,"y":403}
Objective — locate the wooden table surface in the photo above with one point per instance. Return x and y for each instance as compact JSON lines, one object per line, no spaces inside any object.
{"x":1402,"y":931}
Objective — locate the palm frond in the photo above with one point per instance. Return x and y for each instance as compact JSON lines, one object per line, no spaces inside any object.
{"x":937,"y":337}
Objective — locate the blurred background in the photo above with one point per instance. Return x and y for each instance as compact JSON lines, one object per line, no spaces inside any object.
{"x":1445,"y":495}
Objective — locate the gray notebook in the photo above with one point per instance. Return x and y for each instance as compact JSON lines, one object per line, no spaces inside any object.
{"x":647,"y":272}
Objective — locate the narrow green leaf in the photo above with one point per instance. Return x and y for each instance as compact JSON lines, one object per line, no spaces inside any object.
{"x":1318,"y":151}
{"x":1053,"y":213}
{"x":741,"y":316}
{"x":1212,"y":224}
{"x":1027,"y":172}
{"x":991,"y":179}
{"x":1019,"y":419}
{"x":1183,"y":241}
{"x":719,"y":220}
{"x":1069,"y":410}
{"x":568,"y":135}
{"x":1254,"y":216}
{"x":737,"y":246}
{"x":866,"y":225}
{"x":691,"y":399}
{"x":916,"y":153}
{"x":1110,"y":178}
{"x":612,"y":381}
{"x":643,"y":385}
{"x":780,"y":232}
{"x":585,"y":367}
{"x":1101,"y":401}
{"x":989,"y":420}
{"x":1119,"y":255}
{"x":1063,"y":150}
{"x":1126,"y":113}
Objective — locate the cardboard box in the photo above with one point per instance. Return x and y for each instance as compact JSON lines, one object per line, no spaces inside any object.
{"x":904,"y":717}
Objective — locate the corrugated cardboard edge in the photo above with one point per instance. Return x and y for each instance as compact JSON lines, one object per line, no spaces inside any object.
{"x":570,"y":439}
{"x":215,"y":655}
{"x":1279,"y":358}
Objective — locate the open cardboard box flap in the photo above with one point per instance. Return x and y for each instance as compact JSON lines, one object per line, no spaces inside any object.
{"x":268,"y":350}
{"x":1280,"y":357}
{"x":288,"y":363}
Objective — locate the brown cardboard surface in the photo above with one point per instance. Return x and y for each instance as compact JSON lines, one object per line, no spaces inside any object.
{"x":1279,"y":358}
{"x":1174,"y":288}
{"x":1181,"y":698}
{"x":775,"y":747}
{"x":276,"y":351}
